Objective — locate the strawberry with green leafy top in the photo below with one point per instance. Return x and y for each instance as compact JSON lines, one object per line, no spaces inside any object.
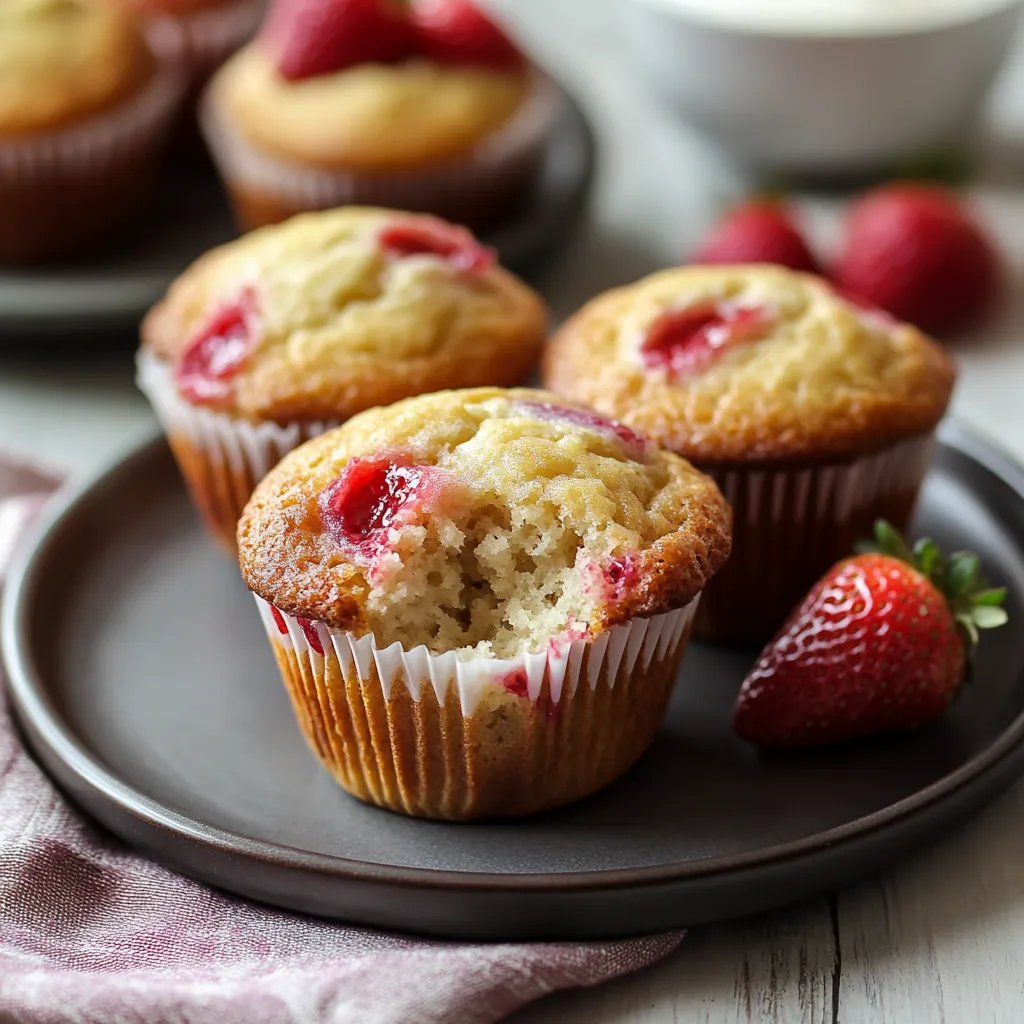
{"x":880,"y":644}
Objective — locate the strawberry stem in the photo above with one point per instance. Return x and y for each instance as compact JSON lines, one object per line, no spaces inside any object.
{"x":973,"y":602}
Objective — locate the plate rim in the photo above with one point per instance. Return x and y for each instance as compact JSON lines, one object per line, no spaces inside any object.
{"x":33,"y":705}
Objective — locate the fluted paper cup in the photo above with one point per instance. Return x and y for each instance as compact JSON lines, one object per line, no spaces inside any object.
{"x":222,"y":458}
{"x":459,"y":735}
{"x":791,"y":525}
{"x":67,"y":190}
{"x":478,"y":190}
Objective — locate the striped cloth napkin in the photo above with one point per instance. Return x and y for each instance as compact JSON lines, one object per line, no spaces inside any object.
{"x":91,"y":933}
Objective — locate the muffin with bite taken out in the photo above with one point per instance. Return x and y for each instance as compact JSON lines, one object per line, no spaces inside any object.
{"x":479,"y":599}
{"x":269,"y":340}
{"x":424,"y":106}
{"x":814,"y":414}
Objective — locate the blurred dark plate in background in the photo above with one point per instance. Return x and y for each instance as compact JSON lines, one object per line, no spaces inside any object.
{"x":189,"y":214}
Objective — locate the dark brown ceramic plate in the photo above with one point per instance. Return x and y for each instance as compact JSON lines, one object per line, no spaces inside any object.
{"x":144,"y":682}
{"x":188,"y":214}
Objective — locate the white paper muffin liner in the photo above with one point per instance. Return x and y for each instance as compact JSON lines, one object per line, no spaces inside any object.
{"x":463,"y":735}
{"x":464,"y":191}
{"x":221,"y":457}
{"x":791,"y":525}
{"x":61,"y":189}
{"x":199,"y":40}
{"x":619,"y":650}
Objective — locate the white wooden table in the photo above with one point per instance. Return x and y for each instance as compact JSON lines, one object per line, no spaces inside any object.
{"x":938,"y":940}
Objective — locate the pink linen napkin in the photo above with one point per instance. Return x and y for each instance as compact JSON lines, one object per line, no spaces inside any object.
{"x":92,"y":933}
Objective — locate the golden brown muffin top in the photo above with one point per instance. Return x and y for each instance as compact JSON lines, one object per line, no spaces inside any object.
{"x":63,"y":60}
{"x":371,"y":117}
{"x":751,"y":364}
{"x":487,"y":519}
{"x":331,"y":313}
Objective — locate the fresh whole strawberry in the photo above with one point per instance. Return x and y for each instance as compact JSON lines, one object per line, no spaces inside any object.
{"x":879,"y":645}
{"x":318,"y":37}
{"x":916,"y":252}
{"x":758,"y":232}
{"x":458,"y":32}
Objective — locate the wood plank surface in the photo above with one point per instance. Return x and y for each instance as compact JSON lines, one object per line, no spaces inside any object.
{"x":939,"y":940}
{"x":777,"y":969}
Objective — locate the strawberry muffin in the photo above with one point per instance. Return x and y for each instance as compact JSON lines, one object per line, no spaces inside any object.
{"x":85,"y":109}
{"x":425,"y":106}
{"x":271,"y":339}
{"x":814,"y":414}
{"x":479,"y":599}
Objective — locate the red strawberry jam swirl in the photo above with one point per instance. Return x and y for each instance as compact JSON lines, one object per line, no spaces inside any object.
{"x":374,"y":494}
{"x":634,"y":443}
{"x":204,"y":374}
{"x":418,"y":236}
{"x":686,"y":341}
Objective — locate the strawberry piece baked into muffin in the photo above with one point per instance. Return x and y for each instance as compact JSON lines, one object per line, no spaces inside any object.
{"x":269,"y":340}
{"x":424,"y":106}
{"x":815,"y":415}
{"x":479,"y":599}
{"x":85,"y":109}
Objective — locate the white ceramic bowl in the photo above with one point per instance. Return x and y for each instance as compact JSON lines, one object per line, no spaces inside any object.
{"x":784,"y":98}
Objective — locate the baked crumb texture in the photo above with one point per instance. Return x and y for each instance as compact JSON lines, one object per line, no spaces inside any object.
{"x":814,"y":415}
{"x":510,"y":521}
{"x":479,"y":600}
{"x":338,"y":322}
{"x":794,"y":372}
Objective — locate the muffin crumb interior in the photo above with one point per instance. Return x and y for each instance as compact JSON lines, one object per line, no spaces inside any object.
{"x":492,"y":530}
